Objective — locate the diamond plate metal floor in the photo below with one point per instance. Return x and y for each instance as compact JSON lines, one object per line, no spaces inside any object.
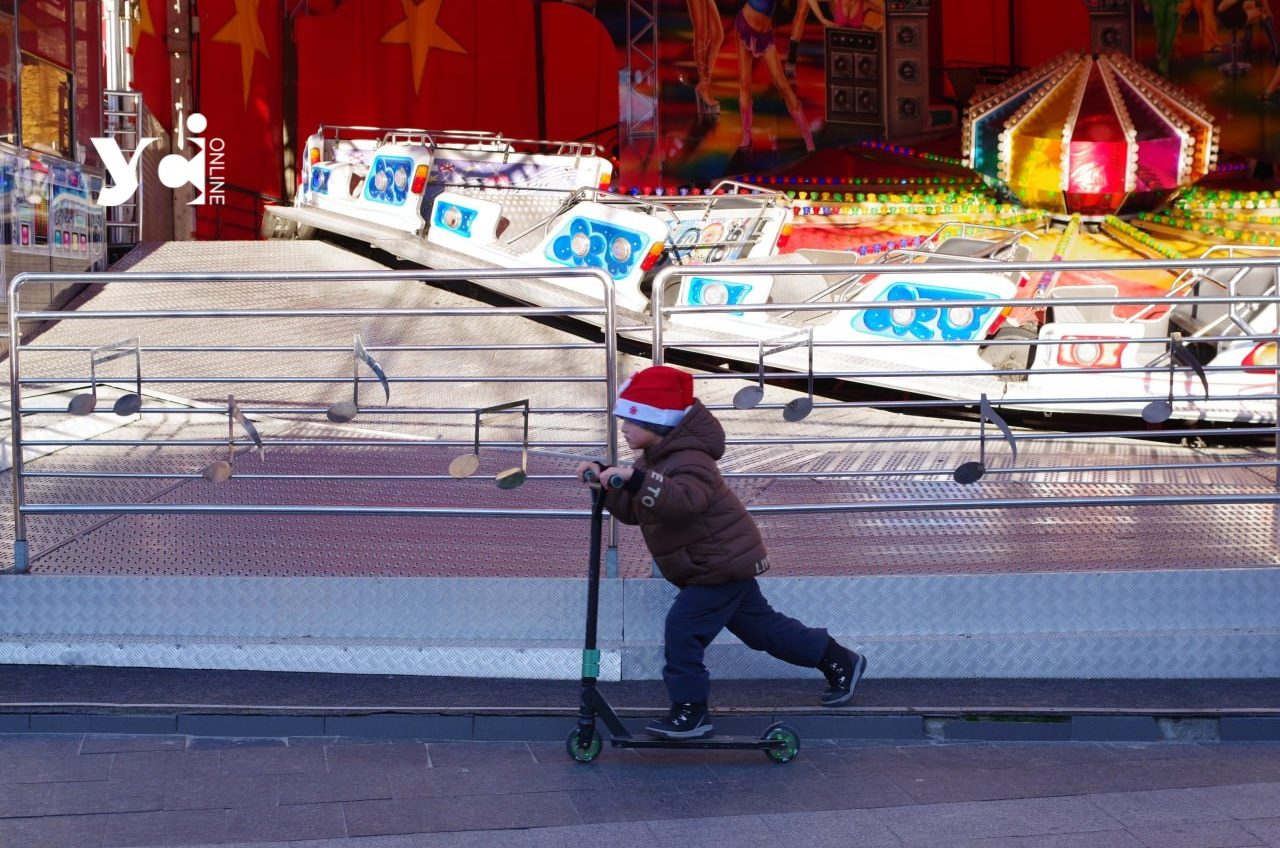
{"x":881,"y":543}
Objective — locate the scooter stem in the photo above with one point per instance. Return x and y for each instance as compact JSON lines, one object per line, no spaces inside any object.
{"x":590,"y":654}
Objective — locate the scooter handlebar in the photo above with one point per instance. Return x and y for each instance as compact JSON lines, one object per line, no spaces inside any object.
{"x":615,"y":480}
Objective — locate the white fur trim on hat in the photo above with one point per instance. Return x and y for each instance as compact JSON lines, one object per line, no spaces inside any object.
{"x":624,"y":408}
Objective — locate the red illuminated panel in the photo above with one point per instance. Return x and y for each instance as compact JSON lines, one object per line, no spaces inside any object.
{"x":1261,"y":360}
{"x":1090,"y":352}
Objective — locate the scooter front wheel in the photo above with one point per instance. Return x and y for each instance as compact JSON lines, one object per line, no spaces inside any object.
{"x":578,"y":752}
{"x":790,"y":739}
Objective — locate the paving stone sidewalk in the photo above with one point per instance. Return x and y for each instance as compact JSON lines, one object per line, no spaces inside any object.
{"x":75,"y":790}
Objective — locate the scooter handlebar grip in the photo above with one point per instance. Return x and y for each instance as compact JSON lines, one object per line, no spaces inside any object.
{"x":591,"y":476}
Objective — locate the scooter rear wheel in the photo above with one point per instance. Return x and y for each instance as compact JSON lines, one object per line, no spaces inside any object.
{"x":580,"y":754}
{"x":789,"y":737}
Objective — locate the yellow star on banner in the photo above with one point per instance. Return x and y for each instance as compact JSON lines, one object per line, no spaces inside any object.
{"x":243,"y":30}
{"x":420,"y":31}
{"x":145,"y":26}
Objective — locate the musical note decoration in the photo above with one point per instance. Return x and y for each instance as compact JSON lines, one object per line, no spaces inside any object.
{"x":127,"y":404}
{"x":468,"y":463}
{"x":973,"y":471}
{"x":797,"y":409}
{"x":1159,"y":411}
{"x":220,"y":471}
{"x":344,"y":411}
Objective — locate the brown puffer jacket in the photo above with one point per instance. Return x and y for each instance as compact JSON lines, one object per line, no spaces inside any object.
{"x":696,"y":528}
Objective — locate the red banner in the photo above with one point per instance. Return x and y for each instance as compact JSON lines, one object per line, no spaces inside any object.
{"x":456,"y":64}
{"x":466,"y":64}
{"x":581,"y":76}
{"x":240,"y":87}
{"x":435,"y":64}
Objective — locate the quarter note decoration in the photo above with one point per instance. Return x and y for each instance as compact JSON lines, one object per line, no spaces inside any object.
{"x":344,"y":411}
{"x":220,"y":471}
{"x":127,"y":404}
{"x":465,"y":465}
{"x":972,"y":472}
{"x":1158,"y":411}
{"x":749,"y":397}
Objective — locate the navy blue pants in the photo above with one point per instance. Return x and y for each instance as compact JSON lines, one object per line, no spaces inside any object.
{"x":701,"y":612}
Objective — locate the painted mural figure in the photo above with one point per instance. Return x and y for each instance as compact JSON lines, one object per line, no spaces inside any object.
{"x":1272,"y":86}
{"x":1208,"y":22}
{"x":1258,"y":13}
{"x":852,"y":14}
{"x":708,"y":35}
{"x":1167,"y":17}
{"x":754,"y":25}
{"x":1243,"y":15}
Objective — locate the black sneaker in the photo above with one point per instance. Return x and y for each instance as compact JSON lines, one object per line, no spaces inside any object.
{"x":843,"y":669}
{"x":685,"y":721}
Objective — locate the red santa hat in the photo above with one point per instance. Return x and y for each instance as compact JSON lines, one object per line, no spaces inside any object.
{"x":657,"y":395}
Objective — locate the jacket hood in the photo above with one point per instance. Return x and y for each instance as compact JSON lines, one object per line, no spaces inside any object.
{"x":699,"y":430}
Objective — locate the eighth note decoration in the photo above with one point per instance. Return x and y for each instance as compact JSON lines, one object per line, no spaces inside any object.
{"x":467,"y":464}
{"x":972,"y":472}
{"x":220,"y":471}
{"x":344,"y":411}
{"x":1158,"y":411}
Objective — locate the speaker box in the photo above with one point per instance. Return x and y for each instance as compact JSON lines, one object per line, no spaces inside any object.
{"x":907,"y":69}
{"x":1110,"y":26}
{"x":855,"y":77}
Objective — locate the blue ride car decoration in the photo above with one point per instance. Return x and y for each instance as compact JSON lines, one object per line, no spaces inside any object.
{"x":586,"y":242}
{"x":454,"y":218}
{"x":319,"y":179}
{"x":388,"y":180}
{"x":925,"y":323}
{"x":733,"y":293}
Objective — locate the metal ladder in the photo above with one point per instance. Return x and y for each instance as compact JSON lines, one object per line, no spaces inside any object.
{"x":122,"y":114}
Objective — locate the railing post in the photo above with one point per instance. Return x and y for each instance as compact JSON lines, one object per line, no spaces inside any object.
{"x":659,"y":292}
{"x":21,"y":562}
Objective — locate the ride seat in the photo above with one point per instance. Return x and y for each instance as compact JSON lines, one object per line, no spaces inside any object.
{"x":981,"y":249}
{"x":803,"y":287}
{"x":1217,"y":282}
{"x":1156,"y":327}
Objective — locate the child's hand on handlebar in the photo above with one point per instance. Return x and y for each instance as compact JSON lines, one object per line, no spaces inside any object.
{"x":617,"y":475}
{"x":592,"y":473}
{"x":589,"y":473}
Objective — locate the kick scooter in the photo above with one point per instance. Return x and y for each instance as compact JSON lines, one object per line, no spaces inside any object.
{"x":779,"y":742}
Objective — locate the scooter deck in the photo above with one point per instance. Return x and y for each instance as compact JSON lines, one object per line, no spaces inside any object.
{"x":747,"y":743}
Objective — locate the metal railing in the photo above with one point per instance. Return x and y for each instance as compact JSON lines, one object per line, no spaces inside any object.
{"x":871,"y":362}
{"x":782,"y":366}
{"x":367,"y":371}
{"x":445,"y":139}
